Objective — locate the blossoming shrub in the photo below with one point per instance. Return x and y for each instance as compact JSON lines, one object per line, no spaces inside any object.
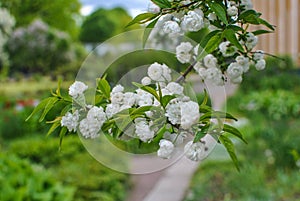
{"x":159,"y":109}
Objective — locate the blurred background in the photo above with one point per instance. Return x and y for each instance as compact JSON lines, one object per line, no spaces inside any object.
{"x":42,"y":41}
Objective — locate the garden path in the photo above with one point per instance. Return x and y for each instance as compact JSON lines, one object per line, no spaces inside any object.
{"x":172,"y":183}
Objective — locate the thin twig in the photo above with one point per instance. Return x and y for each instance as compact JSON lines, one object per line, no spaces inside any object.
{"x":186,"y":72}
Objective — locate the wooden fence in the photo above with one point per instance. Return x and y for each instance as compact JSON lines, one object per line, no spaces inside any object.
{"x":284,"y":14}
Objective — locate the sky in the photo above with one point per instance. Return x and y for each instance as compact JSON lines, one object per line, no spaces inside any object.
{"x":134,"y":7}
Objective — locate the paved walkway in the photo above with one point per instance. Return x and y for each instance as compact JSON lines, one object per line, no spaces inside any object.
{"x":172,"y":183}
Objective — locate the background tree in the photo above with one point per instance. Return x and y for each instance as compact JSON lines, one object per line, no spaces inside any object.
{"x":103,"y":24}
{"x":61,"y":14}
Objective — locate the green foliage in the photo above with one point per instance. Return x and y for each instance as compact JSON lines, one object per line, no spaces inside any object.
{"x":60,"y":14}
{"x":74,"y":167}
{"x":20,"y":180}
{"x":215,"y":181}
{"x":103,"y":24}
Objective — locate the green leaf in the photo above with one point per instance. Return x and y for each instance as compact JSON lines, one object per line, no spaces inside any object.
{"x":235,"y":28}
{"x":162,"y":3}
{"x":39,"y":107}
{"x":54,"y":126}
{"x":220,"y":11}
{"x":104,"y":87}
{"x":228,"y":144}
{"x":248,"y":13}
{"x":206,"y":39}
{"x":260,"y":32}
{"x":252,"y":19}
{"x":147,"y":89}
{"x":62,"y":134}
{"x":140,"y":110}
{"x":205,"y":109}
{"x":166,"y":99}
{"x":148,"y":31}
{"x":230,"y":129}
{"x":267,"y":24}
{"x":231,"y":37}
{"x":216,"y":115}
{"x":51,"y":102}
{"x":213,"y":43}
{"x":200,"y":134}
{"x":205,"y":99}
{"x":142,"y":18}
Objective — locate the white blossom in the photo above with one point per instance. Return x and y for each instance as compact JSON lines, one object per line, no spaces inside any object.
{"x":258,"y":55}
{"x":214,"y":75}
{"x":183,"y":52}
{"x":89,"y":128}
{"x":77,"y":89}
{"x":194,"y":151}
{"x":174,"y":88}
{"x":165,"y":149}
{"x":143,"y":98}
{"x":227,"y":49}
{"x":70,"y":121}
{"x":212,"y":17}
{"x":175,"y":138}
{"x":237,"y":80}
{"x":173,"y":112}
{"x":251,"y":41}
{"x":210,"y":61}
{"x":112,"y":109}
{"x":244,"y":62}
{"x":234,"y":70}
{"x":166,"y":73}
{"x":117,"y":98}
{"x":143,"y":131}
{"x":232,"y":11}
{"x":192,"y":21}
{"x":189,"y":114}
{"x":260,"y":64}
{"x":172,"y":28}
{"x":146,"y":81}
{"x":159,"y":72}
{"x":129,"y":99}
{"x":96,"y":113}
{"x":117,"y":88}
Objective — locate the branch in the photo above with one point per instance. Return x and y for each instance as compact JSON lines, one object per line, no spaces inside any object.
{"x":186,"y":72}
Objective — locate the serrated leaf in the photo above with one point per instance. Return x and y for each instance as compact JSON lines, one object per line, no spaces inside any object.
{"x":147,"y":89}
{"x":228,"y":144}
{"x":162,"y":3}
{"x":166,"y":99}
{"x":148,"y":30}
{"x":260,"y":32}
{"x":231,"y":130}
{"x":53,"y":128}
{"x":142,"y":18}
{"x":231,"y":37}
{"x":39,"y":107}
{"x":50,"y":104}
{"x":104,"y":87}
{"x":220,"y":11}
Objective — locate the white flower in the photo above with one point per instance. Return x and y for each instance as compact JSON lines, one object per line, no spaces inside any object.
{"x":70,"y":121}
{"x":89,"y":128}
{"x":143,"y":98}
{"x":174,"y":88}
{"x":234,"y":70}
{"x":260,"y":64}
{"x":146,"y":81}
{"x":247,"y":4}
{"x":194,"y":151}
{"x":117,"y":89}
{"x":189,"y":114}
{"x":237,"y":80}
{"x":117,"y":98}
{"x":210,"y":61}
{"x":183,"y":52}
{"x":166,"y":73}
{"x":252,"y":41}
{"x":143,"y":131}
{"x":172,"y":28}
{"x":232,"y":11}
{"x":165,"y":149}
{"x":173,"y":112}
{"x":214,"y":75}
{"x":97,"y":113}
{"x":129,"y":99}
{"x":192,"y":21}
{"x":227,"y":49}
{"x":243,"y":61}
{"x":77,"y":89}
{"x":258,"y":55}
{"x":212,"y":17}
{"x":112,"y":109}
{"x":155,"y":72}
